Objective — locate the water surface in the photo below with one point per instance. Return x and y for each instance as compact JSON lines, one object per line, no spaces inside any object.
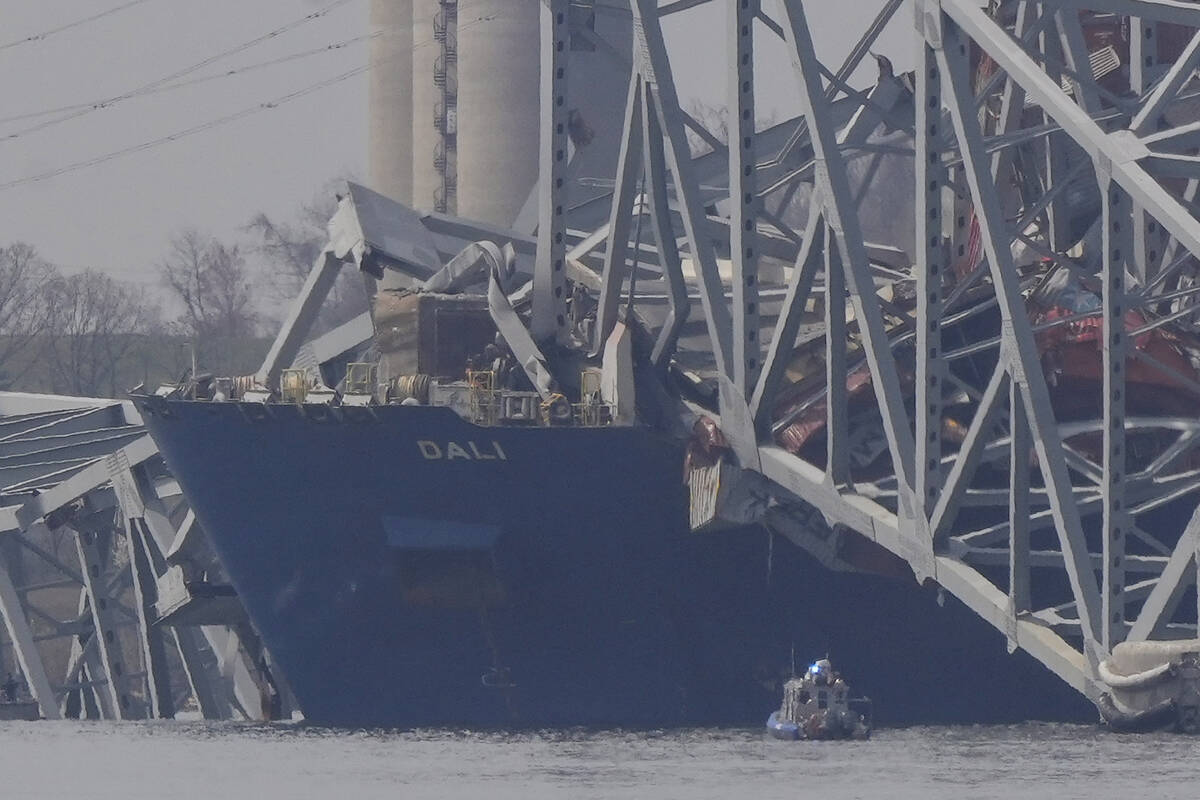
{"x":174,"y":760}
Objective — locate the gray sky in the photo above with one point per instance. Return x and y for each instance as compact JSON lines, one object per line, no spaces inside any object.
{"x":117,"y":216}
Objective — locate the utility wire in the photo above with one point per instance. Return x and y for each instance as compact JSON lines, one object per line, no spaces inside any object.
{"x":38,"y":37}
{"x":174,"y":76}
{"x":170,"y":87}
{"x":220,"y":121}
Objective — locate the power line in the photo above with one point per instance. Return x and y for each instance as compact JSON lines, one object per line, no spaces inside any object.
{"x":170,"y":87}
{"x":220,"y":121}
{"x":174,"y":76}
{"x":38,"y":37}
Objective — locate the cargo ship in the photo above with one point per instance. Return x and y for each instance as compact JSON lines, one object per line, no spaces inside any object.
{"x":428,"y":531}
{"x":407,"y":567}
{"x":421,"y":538}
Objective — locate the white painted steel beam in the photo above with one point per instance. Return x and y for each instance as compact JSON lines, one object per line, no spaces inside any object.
{"x":301,"y":316}
{"x":842,"y":218}
{"x":1117,"y":243}
{"x":1122,"y":149}
{"x":1020,"y":351}
{"x":929,"y":185}
{"x":743,"y":191}
{"x":549,"y":320}
{"x":1177,"y":575}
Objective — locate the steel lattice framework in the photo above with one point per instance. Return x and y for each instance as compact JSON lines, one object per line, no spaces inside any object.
{"x":84,"y":473}
{"x":952,"y":312}
{"x":1058,"y":508}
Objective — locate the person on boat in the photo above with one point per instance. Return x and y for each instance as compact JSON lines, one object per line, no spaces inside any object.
{"x":9,"y":687}
{"x":821,"y":672}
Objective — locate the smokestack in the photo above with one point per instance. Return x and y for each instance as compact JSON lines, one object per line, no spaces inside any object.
{"x":390,"y":100}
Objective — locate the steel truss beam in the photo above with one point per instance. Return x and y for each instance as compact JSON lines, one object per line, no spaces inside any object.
{"x":113,"y":512}
{"x":1071,"y":503}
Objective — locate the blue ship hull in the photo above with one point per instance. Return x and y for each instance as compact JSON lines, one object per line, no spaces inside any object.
{"x":407,"y":568}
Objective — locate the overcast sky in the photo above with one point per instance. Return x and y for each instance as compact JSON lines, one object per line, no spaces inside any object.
{"x":118,"y":215}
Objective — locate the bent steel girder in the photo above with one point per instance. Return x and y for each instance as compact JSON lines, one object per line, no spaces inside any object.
{"x":113,"y":490}
{"x":1053,"y":203}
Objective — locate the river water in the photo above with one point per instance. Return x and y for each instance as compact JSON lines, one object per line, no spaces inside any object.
{"x":179,"y":760}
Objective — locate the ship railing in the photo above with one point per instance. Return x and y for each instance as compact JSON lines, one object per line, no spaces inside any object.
{"x":593,"y":414}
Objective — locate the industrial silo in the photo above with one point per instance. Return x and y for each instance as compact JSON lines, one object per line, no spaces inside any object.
{"x":390,"y":100}
{"x":497,"y":107}
{"x":455,"y":107}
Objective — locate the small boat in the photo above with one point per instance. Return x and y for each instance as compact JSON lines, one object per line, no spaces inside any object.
{"x":818,"y":706}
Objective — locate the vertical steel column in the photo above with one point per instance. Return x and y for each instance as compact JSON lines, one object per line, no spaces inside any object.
{"x":1018,"y":504}
{"x":1018,"y":346}
{"x":928,"y":183}
{"x":1143,"y":53}
{"x":1117,"y":240}
{"x":1055,"y":159}
{"x":743,"y":198}
{"x":550,"y":277}
{"x":837,"y":431}
{"x":1143,"y":58}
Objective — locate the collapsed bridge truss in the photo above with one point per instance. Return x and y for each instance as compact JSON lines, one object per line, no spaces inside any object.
{"x":1024,"y":347}
{"x":954,"y":312}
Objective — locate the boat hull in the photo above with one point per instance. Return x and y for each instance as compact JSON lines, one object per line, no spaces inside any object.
{"x":782,"y":729}
{"x":405,"y":567}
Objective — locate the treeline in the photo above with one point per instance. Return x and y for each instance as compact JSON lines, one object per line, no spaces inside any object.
{"x":85,"y":333}
{"x":88,"y":334}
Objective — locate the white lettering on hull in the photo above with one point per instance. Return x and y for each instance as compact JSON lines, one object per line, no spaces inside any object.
{"x":467,"y":451}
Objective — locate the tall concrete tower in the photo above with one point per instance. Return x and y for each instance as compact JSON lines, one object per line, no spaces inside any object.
{"x":497,"y":107}
{"x":454,"y":117}
{"x":390,"y":100}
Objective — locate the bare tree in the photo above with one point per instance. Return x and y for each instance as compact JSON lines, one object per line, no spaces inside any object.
{"x":23,"y":309}
{"x":95,"y":324}
{"x":289,"y":250}
{"x":210,"y":280}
